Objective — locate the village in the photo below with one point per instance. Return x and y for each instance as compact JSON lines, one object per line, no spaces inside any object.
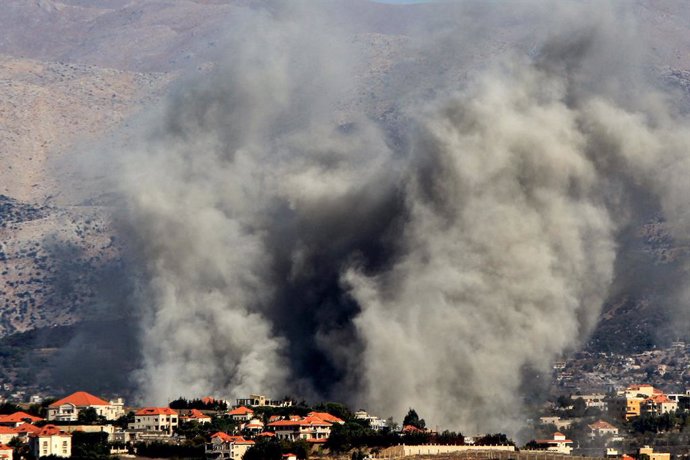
{"x":624,"y":424}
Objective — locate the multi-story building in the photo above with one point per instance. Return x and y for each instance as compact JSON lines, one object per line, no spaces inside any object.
{"x":161,"y":420}
{"x":50,"y":441}
{"x":241,"y":414}
{"x":375,"y":423}
{"x":67,"y":409}
{"x":225,"y":446}
{"x":261,"y":400}
{"x":597,"y":400}
{"x":659,"y":404}
{"x":559,"y":444}
{"x":308,"y":428}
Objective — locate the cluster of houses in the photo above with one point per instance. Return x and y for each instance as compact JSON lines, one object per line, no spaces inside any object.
{"x":156,"y":423}
{"x":625,"y":405}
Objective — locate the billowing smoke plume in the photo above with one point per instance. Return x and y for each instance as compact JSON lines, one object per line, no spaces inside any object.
{"x":296,"y":239}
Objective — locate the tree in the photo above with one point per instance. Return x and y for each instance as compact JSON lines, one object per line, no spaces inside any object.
{"x":265,"y":449}
{"x":90,"y":445}
{"x":89,"y":416}
{"x":413,"y":419}
{"x":339,"y":410}
{"x":496,"y":439}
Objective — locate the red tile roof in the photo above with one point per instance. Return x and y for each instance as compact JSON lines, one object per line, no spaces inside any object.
{"x":325,"y":416}
{"x":27,"y":428}
{"x":49,"y":430}
{"x":411,"y":429}
{"x":7,"y":430}
{"x":307,"y":421}
{"x":228,"y":438}
{"x":156,"y":411}
{"x":81,"y":399}
{"x":660,"y":398}
{"x":266,"y":433}
{"x":196,"y":414}
{"x":311,"y":421}
{"x":601,"y":425}
{"x":241,"y":411}
{"x":18,"y":417}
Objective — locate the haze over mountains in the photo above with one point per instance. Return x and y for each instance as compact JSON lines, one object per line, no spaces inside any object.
{"x":78,"y":76}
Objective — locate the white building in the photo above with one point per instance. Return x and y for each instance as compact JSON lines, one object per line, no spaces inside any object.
{"x":224,"y":446}
{"x":50,"y":441}
{"x":241,"y":414}
{"x":375,"y":423}
{"x":5,"y":452}
{"x":155,"y":419}
{"x":602,"y":428}
{"x":261,"y":400}
{"x":195,"y":415}
{"x":597,"y":400}
{"x":307,"y":428}
{"x":67,"y":409}
{"x":558,"y":444}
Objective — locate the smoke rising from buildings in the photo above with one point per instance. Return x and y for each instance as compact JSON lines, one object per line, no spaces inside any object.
{"x":295,"y":238}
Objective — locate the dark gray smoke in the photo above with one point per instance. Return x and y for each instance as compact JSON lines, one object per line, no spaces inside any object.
{"x":418,"y":246}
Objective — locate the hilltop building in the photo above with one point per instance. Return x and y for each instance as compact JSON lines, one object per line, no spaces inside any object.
{"x":67,"y":409}
{"x":261,"y":401}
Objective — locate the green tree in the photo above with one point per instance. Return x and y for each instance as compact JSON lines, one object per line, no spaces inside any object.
{"x":265,"y":449}
{"x":339,"y":410}
{"x":413,"y":419}
{"x":90,"y":445}
{"x":89,"y":416}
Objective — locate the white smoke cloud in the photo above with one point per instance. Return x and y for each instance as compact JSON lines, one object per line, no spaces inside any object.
{"x":290,"y":243}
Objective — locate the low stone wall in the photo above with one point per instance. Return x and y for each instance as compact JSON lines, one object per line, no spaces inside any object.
{"x":437,"y":449}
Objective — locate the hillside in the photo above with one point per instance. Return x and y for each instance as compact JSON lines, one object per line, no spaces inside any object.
{"x":73,"y":72}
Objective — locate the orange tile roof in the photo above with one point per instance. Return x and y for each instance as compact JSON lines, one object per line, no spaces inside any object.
{"x":5,"y":447}
{"x":316,"y":441}
{"x":19,"y":417}
{"x":410,"y":429}
{"x":228,"y":438}
{"x":325,"y":416}
{"x":266,"y":433}
{"x":660,"y":398}
{"x":81,"y":399}
{"x":156,"y":411}
{"x":601,"y":425}
{"x":196,"y":414}
{"x":49,"y":430}
{"x":7,"y":430}
{"x":311,"y":420}
{"x":241,"y":411}
{"x":27,"y":428}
